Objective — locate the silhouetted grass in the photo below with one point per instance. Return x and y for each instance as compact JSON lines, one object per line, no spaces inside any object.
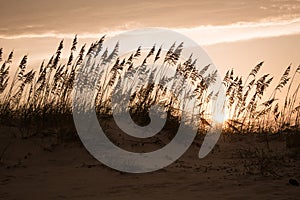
{"x":32,"y":98}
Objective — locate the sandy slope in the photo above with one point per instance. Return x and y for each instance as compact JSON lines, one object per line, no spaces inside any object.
{"x":47,"y":168}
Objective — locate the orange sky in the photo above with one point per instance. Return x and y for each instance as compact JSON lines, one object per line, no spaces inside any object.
{"x":78,"y":16}
{"x":234,"y":33}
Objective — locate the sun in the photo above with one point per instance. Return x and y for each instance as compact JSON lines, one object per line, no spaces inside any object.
{"x":220,"y":117}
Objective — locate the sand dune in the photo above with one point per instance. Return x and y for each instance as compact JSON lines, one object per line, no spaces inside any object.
{"x":240,"y":167}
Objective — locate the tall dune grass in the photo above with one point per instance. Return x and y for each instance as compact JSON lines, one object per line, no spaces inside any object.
{"x":27,"y":96}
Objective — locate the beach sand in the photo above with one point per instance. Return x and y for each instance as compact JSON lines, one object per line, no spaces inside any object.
{"x":240,"y":167}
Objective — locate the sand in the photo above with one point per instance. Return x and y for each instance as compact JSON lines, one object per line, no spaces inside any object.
{"x":240,"y":167}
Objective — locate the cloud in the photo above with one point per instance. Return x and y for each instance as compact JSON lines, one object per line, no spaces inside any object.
{"x":204,"y":35}
{"x":208,"y":35}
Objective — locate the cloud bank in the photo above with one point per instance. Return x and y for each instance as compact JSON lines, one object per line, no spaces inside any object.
{"x":204,"y":35}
